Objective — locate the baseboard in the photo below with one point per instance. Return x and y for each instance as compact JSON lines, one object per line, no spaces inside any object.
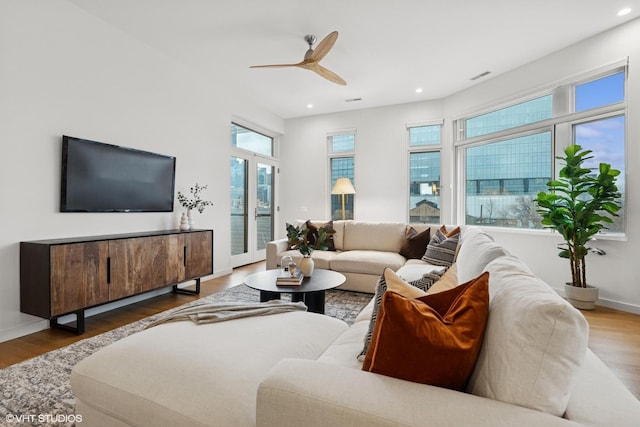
{"x":23,"y":330}
{"x":616,"y":305}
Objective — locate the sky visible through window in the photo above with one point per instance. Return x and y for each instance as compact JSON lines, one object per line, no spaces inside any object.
{"x":605,"y":137}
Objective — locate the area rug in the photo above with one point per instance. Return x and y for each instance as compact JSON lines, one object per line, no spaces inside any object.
{"x":37,"y":392}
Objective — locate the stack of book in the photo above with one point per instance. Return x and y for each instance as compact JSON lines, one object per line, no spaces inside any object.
{"x":285,"y":279}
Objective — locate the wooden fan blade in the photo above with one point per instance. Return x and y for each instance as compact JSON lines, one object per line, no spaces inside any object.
{"x":329,"y":75}
{"x":324,"y":46}
{"x":276,"y":65}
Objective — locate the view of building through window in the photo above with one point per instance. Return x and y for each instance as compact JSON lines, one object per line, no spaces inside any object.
{"x":424,"y":173}
{"x":510,"y":158}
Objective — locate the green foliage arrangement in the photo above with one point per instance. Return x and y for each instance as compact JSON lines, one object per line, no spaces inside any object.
{"x":194,"y":202}
{"x":578,"y":205}
{"x":298,"y":238}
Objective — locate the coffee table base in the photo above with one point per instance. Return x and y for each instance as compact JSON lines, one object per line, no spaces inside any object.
{"x":313,"y":300}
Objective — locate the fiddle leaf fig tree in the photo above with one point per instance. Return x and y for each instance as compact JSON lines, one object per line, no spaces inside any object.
{"x":578,"y":205}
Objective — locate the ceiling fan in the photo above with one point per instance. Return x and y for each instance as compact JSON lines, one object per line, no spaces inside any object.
{"x":312,"y":58}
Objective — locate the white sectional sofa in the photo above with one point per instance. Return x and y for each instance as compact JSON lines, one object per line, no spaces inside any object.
{"x":363,"y":249}
{"x":301,"y":369}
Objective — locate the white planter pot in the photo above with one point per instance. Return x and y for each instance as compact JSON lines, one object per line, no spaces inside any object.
{"x":582,"y":298}
{"x":306,"y":266}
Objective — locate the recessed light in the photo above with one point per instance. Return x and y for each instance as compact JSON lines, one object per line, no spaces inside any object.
{"x":625,"y":11}
{"x":309,"y":105}
{"x":419,"y":90}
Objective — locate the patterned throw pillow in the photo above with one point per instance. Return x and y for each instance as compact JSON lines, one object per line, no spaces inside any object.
{"x":414,"y":289}
{"x":442,"y":248}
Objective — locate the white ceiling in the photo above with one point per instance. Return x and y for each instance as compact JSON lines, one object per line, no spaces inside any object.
{"x":385,"y":49}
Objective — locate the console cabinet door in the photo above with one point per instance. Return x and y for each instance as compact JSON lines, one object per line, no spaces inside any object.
{"x":143,"y":264}
{"x":199,"y":254}
{"x":78,"y":276}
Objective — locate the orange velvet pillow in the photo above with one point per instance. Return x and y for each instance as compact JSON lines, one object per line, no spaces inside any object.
{"x":434,"y":339}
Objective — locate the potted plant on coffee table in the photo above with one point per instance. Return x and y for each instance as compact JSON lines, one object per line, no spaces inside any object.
{"x":299,"y":238}
{"x":578,"y":205}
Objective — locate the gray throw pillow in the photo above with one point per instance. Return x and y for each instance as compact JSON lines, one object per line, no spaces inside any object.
{"x":441,"y":249}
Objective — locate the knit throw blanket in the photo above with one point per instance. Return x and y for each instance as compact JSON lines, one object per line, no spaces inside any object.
{"x":221,"y":311}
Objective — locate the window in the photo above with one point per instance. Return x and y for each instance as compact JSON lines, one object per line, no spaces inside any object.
{"x":508,"y":153}
{"x":424,"y":173}
{"x":605,"y":137}
{"x":510,"y":117}
{"x":341,"y":165}
{"x":503,"y":177}
{"x":250,"y":140}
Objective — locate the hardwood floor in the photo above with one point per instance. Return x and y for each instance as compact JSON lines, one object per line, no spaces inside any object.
{"x":33,"y":345}
{"x":614,"y":335}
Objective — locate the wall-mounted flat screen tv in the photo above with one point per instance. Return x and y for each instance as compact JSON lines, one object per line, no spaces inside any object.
{"x":99,"y":177}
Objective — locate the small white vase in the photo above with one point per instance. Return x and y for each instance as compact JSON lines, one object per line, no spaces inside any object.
{"x":190,"y":219}
{"x":184,"y":222}
{"x":306,"y":266}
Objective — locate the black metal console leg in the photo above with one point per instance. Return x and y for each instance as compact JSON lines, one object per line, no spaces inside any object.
{"x":79,"y":328}
{"x":177,"y":290}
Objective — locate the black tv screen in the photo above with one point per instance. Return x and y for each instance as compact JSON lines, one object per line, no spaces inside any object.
{"x":98,"y":177}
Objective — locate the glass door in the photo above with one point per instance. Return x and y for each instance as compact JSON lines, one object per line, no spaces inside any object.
{"x":264,"y":209}
{"x":252,"y":208}
{"x":239,"y":211}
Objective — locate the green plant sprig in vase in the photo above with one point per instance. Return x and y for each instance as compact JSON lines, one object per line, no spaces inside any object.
{"x":194,"y":202}
{"x":298,"y":238}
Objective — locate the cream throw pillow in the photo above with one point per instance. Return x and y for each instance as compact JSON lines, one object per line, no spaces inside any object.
{"x":396,"y":284}
{"x":534,"y":344}
{"x":448,"y":280}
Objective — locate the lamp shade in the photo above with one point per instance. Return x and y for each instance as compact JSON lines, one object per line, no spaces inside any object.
{"x":343,"y":186}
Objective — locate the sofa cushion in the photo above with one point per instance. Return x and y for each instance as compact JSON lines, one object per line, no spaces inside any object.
{"x":182,"y":374}
{"x":477,"y":249}
{"x":442,"y":249}
{"x":434,"y":339}
{"x":414,"y":269}
{"x":534,"y":344}
{"x":366,"y":262}
{"x":374,"y":236}
{"x":391,"y":281}
{"x":414,"y":243}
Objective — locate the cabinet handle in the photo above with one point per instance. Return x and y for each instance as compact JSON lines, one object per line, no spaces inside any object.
{"x":184,"y":256}
{"x":108,"y":269}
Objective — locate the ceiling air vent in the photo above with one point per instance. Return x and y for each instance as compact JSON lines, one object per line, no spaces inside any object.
{"x":486,"y":73}
{"x":353,"y":100}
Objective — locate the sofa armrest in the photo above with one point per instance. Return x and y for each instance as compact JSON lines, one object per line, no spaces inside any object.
{"x":311,"y":393}
{"x":274,"y":249}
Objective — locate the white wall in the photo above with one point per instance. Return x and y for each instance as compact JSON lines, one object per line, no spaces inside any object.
{"x":381,"y":162}
{"x":63,"y":71}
